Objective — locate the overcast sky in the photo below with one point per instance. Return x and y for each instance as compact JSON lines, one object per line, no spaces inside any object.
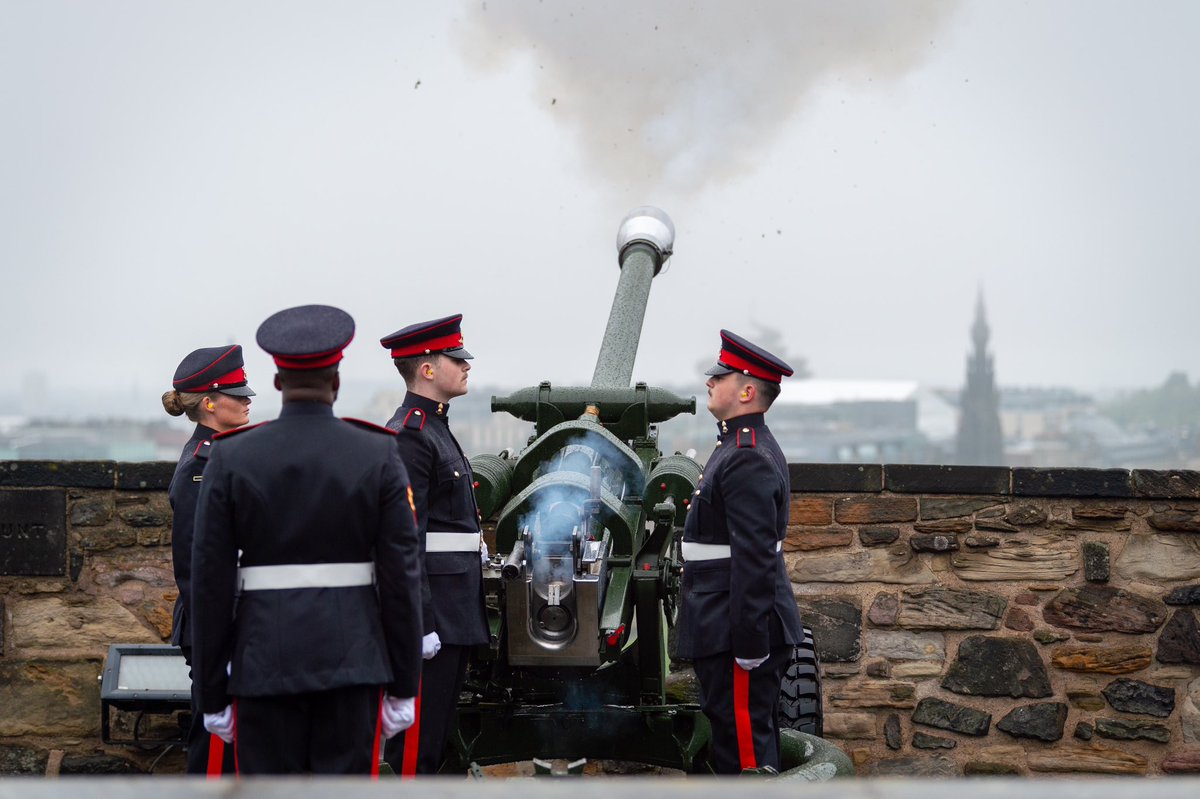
{"x":851,"y":174}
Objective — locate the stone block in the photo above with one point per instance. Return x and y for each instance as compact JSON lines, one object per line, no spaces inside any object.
{"x":1189,"y":713}
{"x":1135,"y":696}
{"x":1176,"y":521}
{"x":1047,"y":636}
{"x":91,"y":512}
{"x":16,"y":760}
{"x":891,"y":732}
{"x":1033,"y":482}
{"x":97,"y":765}
{"x":49,"y":698}
{"x":1184,"y":595}
{"x":1183,"y":761}
{"x":1117,"y":659}
{"x":877,"y":536}
{"x":996,"y":526}
{"x":1086,"y":759}
{"x":996,"y":761}
{"x":897,"y":564}
{"x":64,"y":474}
{"x":1085,"y":699}
{"x":148,"y":476}
{"x":102,"y":540}
{"x":1018,"y":620}
{"x":1042,"y":720}
{"x":1027,"y":516}
{"x":875,"y":510}
{"x":1039,"y":559}
{"x":917,"y":669}
{"x":922,"y":479}
{"x":1126,"y":730}
{"x":933,"y":543}
{"x":831,"y":477}
{"x":1160,"y":558}
{"x":144,"y":516}
{"x":992,"y":666}
{"x":48,"y":625}
{"x":1084,"y":731}
{"x":1166,"y":484}
{"x":981,"y":541}
{"x":1095,"y":562}
{"x":955,"y":507}
{"x":814,"y":511}
{"x":905,"y":645}
{"x":850,"y":726}
{"x":950,"y":609}
{"x":837,"y":627}
{"x":924,"y":766}
{"x":1103,"y":608}
{"x":884,"y":610}
{"x":898,"y":695}
{"x":950,"y":716}
{"x":1180,"y":639}
{"x":880,"y":669}
{"x":807,"y":539}
{"x":947,"y":527}
{"x":921,"y":740}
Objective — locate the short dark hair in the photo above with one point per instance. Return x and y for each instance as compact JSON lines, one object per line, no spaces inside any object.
{"x":407,"y":367}
{"x":768,"y":390}
{"x":307,"y":378}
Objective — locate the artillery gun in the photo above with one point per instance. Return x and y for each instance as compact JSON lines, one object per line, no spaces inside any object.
{"x":584,"y":584}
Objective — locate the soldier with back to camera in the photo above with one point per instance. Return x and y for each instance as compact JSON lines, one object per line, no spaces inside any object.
{"x":738,"y":620}
{"x":307,"y":524}
{"x":431,"y":359}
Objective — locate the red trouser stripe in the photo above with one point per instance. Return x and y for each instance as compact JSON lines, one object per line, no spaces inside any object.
{"x":378,"y":732}
{"x":412,"y":740}
{"x":741,"y":717}
{"x":216,"y":754}
{"x":237,"y":769}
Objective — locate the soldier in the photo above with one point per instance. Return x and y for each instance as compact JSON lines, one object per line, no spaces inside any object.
{"x":306,"y":522}
{"x":431,"y":359}
{"x":210,"y":387}
{"x":738,"y":620}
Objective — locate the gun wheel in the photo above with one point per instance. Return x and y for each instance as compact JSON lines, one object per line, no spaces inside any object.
{"x":800,"y":706}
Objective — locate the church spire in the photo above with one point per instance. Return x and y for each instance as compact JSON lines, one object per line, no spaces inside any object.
{"x":980,"y":440}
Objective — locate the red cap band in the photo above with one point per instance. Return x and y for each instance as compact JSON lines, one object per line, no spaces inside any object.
{"x":453,"y":341}
{"x":742,"y":365}
{"x":319,"y":362}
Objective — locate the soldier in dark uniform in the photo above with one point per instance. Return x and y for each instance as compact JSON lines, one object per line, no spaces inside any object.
{"x":210,"y":387}
{"x":431,"y":359}
{"x":307,"y":644}
{"x":738,"y":620}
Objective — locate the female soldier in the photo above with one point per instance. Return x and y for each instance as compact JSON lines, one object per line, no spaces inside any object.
{"x":210,"y":387}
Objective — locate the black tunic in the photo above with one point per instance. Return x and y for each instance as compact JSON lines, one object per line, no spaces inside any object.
{"x":306,"y":488}
{"x":744,"y":603}
{"x":183,"y":491}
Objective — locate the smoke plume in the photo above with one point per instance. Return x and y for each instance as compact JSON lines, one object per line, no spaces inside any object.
{"x":675,"y":95}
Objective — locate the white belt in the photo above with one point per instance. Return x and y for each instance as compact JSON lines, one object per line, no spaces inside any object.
{"x":693,"y":551}
{"x":452,"y":542}
{"x":305,"y":575}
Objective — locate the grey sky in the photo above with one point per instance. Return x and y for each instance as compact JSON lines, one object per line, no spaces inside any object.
{"x":171,"y":174}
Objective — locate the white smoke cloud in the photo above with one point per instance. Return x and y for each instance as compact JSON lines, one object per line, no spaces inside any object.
{"x":675,"y":95}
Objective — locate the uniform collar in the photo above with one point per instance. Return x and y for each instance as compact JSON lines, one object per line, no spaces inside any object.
{"x":751,"y":420}
{"x":305,"y":409}
{"x":203,"y":433}
{"x":438,"y":410}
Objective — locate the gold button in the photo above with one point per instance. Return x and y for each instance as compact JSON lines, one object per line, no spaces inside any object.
{"x":745,"y":429}
{"x":456,"y":474}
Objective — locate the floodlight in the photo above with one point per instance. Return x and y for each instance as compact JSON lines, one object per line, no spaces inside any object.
{"x":143,"y":679}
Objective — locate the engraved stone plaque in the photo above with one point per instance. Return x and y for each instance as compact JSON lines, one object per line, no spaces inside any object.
{"x":33,"y":532}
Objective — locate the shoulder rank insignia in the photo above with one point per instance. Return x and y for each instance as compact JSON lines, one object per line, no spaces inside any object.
{"x":415,"y":419}
{"x":364,"y":424}
{"x":237,"y":430}
{"x":202,"y":450}
{"x":746,"y":438}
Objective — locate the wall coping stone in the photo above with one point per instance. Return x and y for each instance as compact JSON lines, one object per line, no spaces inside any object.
{"x":806,"y":478}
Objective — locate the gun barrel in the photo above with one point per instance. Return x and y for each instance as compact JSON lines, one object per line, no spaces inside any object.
{"x":644,"y":243}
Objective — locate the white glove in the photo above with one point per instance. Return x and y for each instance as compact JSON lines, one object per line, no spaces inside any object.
{"x":221,"y":724}
{"x":398,"y":714}
{"x":749,"y":664}
{"x":483,"y":552}
{"x":430,"y":645}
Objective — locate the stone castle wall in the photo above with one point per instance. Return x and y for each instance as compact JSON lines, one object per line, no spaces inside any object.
{"x":970,"y":619}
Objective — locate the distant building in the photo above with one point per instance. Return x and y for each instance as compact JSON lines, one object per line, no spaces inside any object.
{"x":980,"y":440}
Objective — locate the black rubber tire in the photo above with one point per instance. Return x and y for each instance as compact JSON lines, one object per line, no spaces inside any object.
{"x":800,"y":706}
